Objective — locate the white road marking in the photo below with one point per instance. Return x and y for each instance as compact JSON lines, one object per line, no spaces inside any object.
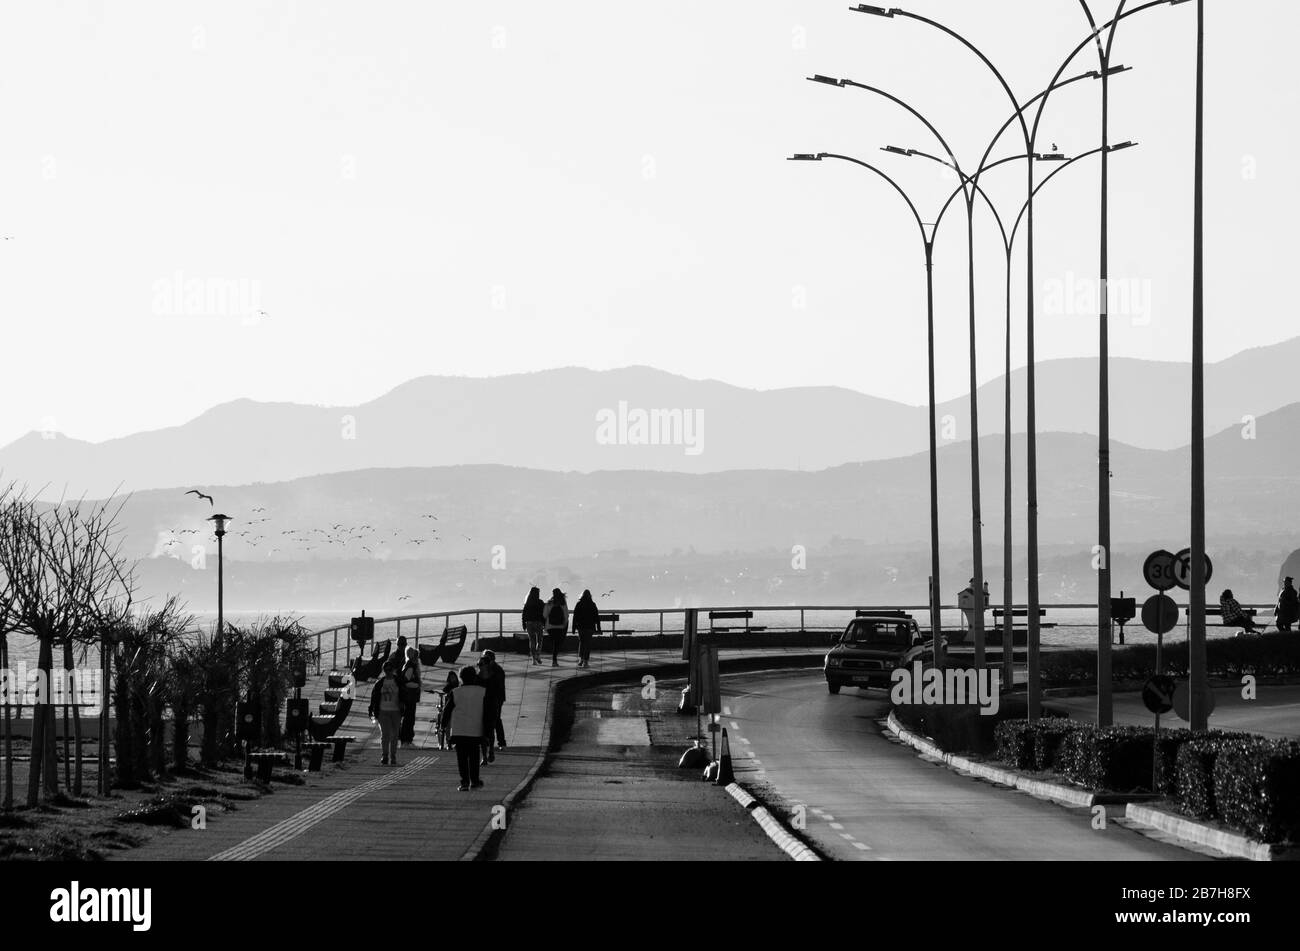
{"x":862,"y":845}
{"x":735,"y":725}
{"x":836,"y":825}
{"x":845,"y":835}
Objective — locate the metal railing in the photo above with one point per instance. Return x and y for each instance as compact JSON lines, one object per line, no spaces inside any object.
{"x":664,"y":622}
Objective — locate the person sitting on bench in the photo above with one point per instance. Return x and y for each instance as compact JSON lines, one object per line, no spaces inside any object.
{"x":1233,"y":615}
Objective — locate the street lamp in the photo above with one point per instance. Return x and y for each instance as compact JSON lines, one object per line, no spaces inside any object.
{"x":927,"y":241}
{"x":1031,"y":417}
{"x":219,"y":529}
{"x":977,"y":532}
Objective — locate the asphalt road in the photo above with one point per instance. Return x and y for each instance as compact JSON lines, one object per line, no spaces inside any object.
{"x":866,"y":797}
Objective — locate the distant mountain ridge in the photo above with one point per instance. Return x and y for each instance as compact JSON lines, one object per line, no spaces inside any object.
{"x":560,"y":420}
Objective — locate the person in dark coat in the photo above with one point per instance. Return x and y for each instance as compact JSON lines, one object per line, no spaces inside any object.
{"x":410,"y":678}
{"x":534,"y":619}
{"x":493,"y":678}
{"x":1288,"y":605}
{"x":556,"y":613}
{"x":586,"y":624}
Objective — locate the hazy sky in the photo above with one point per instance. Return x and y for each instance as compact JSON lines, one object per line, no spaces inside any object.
{"x":411,"y":188}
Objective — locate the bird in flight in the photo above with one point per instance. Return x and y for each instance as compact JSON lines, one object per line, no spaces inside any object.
{"x":405,"y":597}
{"x":259,"y":509}
{"x":201,"y":495}
{"x":608,"y":593}
{"x":434,"y":517}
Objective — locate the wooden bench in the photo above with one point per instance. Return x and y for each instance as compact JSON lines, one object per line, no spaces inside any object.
{"x":610,"y":619}
{"x":265,"y":759}
{"x":1218,"y":612}
{"x":447,"y":649}
{"x":371,"y":669}
{"x":331,"y":717}
{"x":745,"y":616}
{"x":316,"y":749}
{"x":1000,"y":614}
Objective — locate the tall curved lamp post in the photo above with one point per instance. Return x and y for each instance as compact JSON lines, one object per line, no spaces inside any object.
{"x":1030,"y":133}
{"x":977,"y":537}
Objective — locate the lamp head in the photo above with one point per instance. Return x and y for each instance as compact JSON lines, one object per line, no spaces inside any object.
{"x":874,"y":11}
{"x":826,"y":80}
{"x":804,"y":157}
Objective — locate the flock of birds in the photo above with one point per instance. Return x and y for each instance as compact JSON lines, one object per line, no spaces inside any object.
{"x":350,"y":540}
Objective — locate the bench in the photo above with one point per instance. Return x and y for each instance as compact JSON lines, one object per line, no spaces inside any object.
{"x":1218,"y":612}
{"x":447,"y":649}
{"x":331,"y":717}
{"x":372,"y":668}
{"x":265,"y":759}
{"x":317,"y":754}
{"x":610,"y":619}
{"x":1000,"y":614}
{"x":745,"y":616}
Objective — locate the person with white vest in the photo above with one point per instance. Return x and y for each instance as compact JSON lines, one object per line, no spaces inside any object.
{"x":467,"y":708}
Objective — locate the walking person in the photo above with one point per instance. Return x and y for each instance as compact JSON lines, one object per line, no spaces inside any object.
{"x":534,"y":618}
{"x":444,"y":711}
{"x":386,"y":708}
{"x":1233,"y":615}
{"x":410,"y":678}
{"x":586,"y":624}
{"x":466,"y":709}
{"x":557,"y":623}
{"x":493,"y":678}
{"x":1288,"y":605}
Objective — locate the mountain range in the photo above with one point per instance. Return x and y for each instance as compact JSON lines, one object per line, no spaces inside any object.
{"x":636,"y":418}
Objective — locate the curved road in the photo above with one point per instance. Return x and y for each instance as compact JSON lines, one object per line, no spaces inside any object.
{"x":871,"y":798}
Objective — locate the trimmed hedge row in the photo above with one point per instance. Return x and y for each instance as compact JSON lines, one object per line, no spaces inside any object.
{"x":1267,"y":655}
{"x":1249,"y":783}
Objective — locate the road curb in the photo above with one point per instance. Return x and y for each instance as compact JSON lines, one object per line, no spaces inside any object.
{"x":1196,"y":833}
{"x":1062,"y":795}
{"x":779,"y":835}
{"x":1185,"y":832}
{"x":510,"y":801}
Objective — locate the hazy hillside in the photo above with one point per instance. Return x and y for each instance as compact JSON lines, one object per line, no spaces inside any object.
{"x":577,"y":420}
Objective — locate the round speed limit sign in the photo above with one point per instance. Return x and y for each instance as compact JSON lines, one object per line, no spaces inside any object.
{"x":1160,"y":570}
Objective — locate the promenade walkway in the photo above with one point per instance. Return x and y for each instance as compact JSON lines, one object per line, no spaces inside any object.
{"x":362,"y":810}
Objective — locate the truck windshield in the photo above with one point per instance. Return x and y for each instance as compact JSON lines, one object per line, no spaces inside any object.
{"x":879,"y":634}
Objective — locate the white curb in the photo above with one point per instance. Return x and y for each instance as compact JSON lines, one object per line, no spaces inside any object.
{"x":1189,"y":830}
{"x":775,"y":831}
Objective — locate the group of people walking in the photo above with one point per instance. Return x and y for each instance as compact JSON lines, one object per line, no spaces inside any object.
{"x":394,"y":700}
{"x":551,"y":619}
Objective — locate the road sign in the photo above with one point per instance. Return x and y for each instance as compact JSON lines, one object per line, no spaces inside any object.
{"x":710,"y":686}
{"x":1159,"y":570}
{"x":1160,"y":614}
{"x":1183,"y":693}
{"x":1158,"y":694}
{"x":1183,"y":569}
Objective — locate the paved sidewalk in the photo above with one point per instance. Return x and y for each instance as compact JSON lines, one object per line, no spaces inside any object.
{"x":354,"y":810}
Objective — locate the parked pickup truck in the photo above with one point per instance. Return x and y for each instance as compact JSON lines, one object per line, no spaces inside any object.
{"x":871,"y":647}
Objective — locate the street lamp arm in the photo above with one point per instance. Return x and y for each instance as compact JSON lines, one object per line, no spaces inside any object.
{"x":924,"y":121}
{"x":974,"y":183}
{"x":911,"y":205}
{"x":1039,"y":187}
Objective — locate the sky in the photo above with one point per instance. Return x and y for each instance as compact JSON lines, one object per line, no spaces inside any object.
{"x":315,"y":202}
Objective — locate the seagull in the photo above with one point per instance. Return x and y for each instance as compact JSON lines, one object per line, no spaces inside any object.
{"x":467,"y":538}
{"x":1055,"y":147}
{"x":434,"y":517}
{"x":608,"y":593}
{"x":259,"y":509}
{"x":201,"y":495}
{"x":405,"y":597}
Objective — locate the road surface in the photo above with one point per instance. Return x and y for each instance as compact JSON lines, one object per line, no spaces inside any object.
{"x":870,"y":798}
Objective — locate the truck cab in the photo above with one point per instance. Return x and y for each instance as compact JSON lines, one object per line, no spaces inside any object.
{"x":870,"y":648}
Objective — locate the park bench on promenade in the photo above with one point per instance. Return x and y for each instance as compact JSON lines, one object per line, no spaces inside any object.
{"x":333,"y":710}
{"x":264,"y":761}
{"x":372,"y":668}
{"x":745,"y":616}
{"x":1218,"y":612}
{"x":448,"y":648}
{"x":612,"y":620}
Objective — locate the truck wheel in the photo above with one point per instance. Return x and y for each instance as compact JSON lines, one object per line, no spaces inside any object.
{"x":833,"y":688}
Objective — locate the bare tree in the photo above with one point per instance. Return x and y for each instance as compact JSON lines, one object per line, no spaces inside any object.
{"x":64,"y":565}
{"x":8,"y":625}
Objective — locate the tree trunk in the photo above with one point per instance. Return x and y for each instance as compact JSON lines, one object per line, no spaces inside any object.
{"x":157,"y":742}
{"x":126,"y":775}
{"x":180,"y":735}
{"x":67,"y":701}
{"x":7,"y":801}
{"x":43,"y":764}
{"x":140,"y":736}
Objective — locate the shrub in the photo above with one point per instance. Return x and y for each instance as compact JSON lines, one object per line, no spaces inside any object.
{"x":1195,"y":764}
{"x":1119,"y":758}
{"x":1257,"y":788}
{"x":1013,"y":745}
{"x":1048,"y":735}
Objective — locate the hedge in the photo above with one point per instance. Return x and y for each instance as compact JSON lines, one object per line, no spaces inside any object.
{"x":1266,"y":655}
{"x":1257,"y":788}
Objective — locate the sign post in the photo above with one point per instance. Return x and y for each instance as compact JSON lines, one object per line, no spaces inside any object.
{"x":1158,"y":696}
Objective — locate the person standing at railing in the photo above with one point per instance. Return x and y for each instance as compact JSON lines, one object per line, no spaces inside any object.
{"x":586,"y":624}
{"x":534,"y":618}
{"x":557,"y":623}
